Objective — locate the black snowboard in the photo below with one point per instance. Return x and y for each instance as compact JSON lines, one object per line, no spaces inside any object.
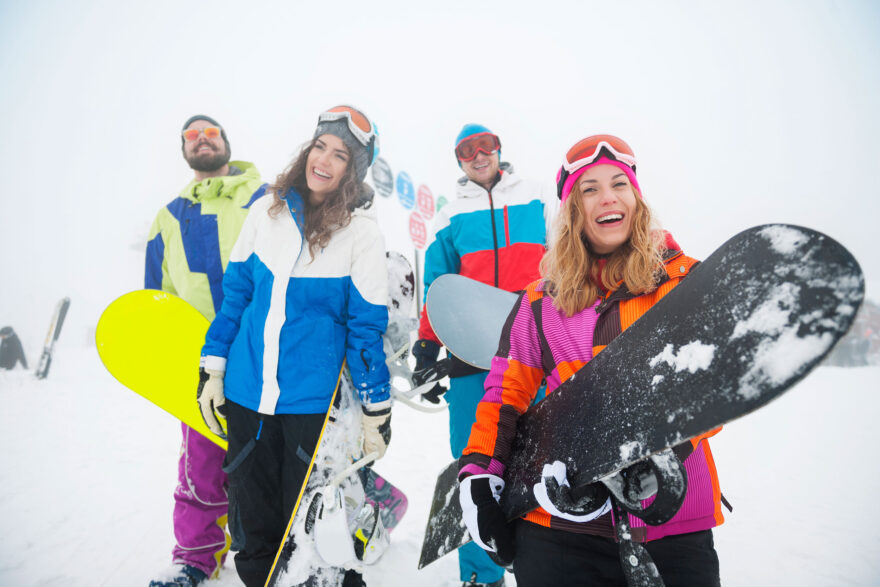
{"x":744,"y":326}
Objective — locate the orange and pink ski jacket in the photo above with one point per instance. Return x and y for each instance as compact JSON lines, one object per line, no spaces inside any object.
{"x":522,"y":364}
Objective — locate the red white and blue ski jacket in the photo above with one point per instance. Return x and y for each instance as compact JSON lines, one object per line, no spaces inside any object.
{"x":289,"y":319}
{"x":495,"y":237}
{"x":522,"y":363}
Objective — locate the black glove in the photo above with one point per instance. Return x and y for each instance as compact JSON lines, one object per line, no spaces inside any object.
{"x":484,"y":518}
{"x":428,"y":368}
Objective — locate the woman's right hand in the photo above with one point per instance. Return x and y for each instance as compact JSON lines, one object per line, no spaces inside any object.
{"x":479,"y":495}
{"x":212,"y":402}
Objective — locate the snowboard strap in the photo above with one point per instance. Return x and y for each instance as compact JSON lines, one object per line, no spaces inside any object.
{"x":726,"y":503}
{"x":547,"y":362}
{"x":638,"y":566}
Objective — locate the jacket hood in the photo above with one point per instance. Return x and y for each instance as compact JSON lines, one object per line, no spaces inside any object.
{"x":365,"y":201}
{"x":214,"y":187}
{"x":365,"y":212}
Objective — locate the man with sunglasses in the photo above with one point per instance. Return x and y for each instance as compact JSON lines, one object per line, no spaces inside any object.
{"x":187,"y":252}
{"x":495,"y":231}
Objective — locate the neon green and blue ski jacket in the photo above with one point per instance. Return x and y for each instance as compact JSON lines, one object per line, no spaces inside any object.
{"x":191,"y":238}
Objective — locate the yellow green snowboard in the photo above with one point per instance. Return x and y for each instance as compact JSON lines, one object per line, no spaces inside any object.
{"x":150,"y":341}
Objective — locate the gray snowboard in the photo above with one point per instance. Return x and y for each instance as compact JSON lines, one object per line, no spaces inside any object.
{"x":470,"y":336}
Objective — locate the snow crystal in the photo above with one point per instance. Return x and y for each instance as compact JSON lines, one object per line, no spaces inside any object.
{"x":449,"y":495}
{"x":775,"y":360}
{"x":667,"y":462}
{"x":772,"y":315}
{"x":784,"y":239}
{"x":631,"y":450}
{"x":693,"y":356}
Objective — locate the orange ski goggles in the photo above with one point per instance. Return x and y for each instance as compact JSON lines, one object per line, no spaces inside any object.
{"x":211,"y":132}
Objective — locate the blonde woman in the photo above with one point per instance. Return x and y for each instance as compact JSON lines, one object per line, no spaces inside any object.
{"x":608,"y":265}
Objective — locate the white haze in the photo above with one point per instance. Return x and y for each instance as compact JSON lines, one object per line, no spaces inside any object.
{"x":740,"y":113}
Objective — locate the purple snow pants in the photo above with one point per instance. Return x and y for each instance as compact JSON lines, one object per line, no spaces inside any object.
{"x":200,"y":504}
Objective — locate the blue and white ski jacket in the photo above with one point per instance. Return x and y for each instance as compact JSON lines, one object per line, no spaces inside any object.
{"x":288,"y":320}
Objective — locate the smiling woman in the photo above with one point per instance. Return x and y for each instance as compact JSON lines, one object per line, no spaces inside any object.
{"x":606,"y":267}
{"x":606,"y":231}
{"x":291,"y":315}
{"x":328,"y":175}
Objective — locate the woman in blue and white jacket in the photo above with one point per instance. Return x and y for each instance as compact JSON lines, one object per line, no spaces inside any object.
{"x":305,"y":288}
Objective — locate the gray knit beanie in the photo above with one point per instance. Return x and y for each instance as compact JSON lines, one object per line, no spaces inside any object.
{"x":361,"y":155}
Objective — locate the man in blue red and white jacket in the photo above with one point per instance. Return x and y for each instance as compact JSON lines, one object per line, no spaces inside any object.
{"x":494,"y":231}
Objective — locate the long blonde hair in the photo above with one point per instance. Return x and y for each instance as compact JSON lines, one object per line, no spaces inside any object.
{"x":571,"y":270}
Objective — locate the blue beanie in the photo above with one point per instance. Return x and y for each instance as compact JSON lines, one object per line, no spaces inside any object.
{"x":468,"y":131}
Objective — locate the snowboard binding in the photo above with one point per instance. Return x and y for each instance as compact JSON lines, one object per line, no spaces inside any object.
{"x":661,"y":475}
{"x":578,"y":501}
{"x":347,"y":530}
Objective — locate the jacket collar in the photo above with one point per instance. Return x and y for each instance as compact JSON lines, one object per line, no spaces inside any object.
{"x":621,"y":292}
{"x":470,"y":189}
{"x":214,"y":187}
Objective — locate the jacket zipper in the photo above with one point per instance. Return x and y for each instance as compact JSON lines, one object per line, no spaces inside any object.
{"x":494,"y":234}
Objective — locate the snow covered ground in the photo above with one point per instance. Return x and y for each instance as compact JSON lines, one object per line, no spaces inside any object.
{"x":89,"y":468}
{"x":760,"y":135}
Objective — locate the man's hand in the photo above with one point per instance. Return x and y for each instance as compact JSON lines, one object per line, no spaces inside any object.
{"x":428,"y":368}
{"x":212,"y":402}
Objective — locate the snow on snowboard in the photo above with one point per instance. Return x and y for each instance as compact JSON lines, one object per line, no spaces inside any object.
{"x":746,"y":324}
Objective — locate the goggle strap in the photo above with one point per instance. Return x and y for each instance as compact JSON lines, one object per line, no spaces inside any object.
{"x":363,"y":136}
{"x":581,"y":162}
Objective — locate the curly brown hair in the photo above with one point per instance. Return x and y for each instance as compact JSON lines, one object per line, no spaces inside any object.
{"x":323,"y":219}
{"x":572,"y":270}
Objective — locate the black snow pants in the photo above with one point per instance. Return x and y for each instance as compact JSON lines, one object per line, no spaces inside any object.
{"x":560,"y":558}
{"x":267,"y":461}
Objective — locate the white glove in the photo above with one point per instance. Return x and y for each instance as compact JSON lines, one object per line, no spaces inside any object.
{"x":377,"y":431}
{"x":211,"y":400}
{"x":554,"y":495}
